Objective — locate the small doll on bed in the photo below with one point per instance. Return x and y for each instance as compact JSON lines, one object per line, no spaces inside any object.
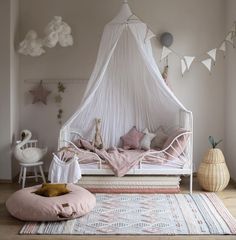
{"x":97,"y":142}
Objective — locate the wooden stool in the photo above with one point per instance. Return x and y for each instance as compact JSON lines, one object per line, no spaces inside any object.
{"x":23,"y":171}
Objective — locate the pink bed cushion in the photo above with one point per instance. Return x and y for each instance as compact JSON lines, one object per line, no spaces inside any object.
{"x":159,"y":140}
{"x":28,"y":206}
{"x":85,"y":144}
{"x":77,"y":143}
{"x":131,"y":140}
{"x":179,"y":144}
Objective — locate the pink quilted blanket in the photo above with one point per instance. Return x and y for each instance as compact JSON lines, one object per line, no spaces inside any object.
{"x":120,"y":160}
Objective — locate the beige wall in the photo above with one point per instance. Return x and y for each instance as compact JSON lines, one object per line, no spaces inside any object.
{"x":197,"y":26}
{"x":5,"y":160}
{"x":230,"y":124}
{"x":8,"y":91}
{"x":14,"y":71}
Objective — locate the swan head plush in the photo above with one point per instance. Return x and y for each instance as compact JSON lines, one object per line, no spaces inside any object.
{"x":25,"y":134}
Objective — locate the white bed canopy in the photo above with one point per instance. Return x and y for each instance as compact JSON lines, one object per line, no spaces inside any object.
{"x":126,"y":87}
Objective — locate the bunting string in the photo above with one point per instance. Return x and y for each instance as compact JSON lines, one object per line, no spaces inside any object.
{"x":208,"y":59}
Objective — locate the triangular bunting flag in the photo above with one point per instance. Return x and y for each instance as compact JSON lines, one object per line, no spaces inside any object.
{"x":222,"y":47}
{"x":229,"y":38}
{"x":150,"y":34}
{"x":165,"y":52}
{"x":212,"y":54}
{"x":183,"y":66}
{"x":189,"y":61}
{"x":207,"y":63}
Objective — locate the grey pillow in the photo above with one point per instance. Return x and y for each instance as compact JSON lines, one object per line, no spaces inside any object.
{"x":160,"y":139}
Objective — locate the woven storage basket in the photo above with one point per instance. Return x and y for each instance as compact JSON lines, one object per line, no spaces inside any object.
{"x":213,"y":174}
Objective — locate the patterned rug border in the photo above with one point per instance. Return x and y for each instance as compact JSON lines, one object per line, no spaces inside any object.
{"x":225,"y":226}
{"x":134,"y":191}
{"x":226,"y":215}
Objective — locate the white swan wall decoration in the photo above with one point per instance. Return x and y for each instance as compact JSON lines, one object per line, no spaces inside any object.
{"x":30,"y":154}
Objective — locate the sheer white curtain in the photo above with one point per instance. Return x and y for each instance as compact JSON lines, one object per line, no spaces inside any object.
{"x":126,"y":87}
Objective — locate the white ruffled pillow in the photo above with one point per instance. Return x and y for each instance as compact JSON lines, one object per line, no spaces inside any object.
{"x":147,"y":139}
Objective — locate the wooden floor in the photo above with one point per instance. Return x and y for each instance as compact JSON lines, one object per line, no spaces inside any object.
{"x":9,"y":226}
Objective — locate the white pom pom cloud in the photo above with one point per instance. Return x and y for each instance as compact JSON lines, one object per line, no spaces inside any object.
{"x":56,"y":31}
{"x":31,"y":45}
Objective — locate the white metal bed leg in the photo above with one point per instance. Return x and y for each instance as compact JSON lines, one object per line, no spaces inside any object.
{"x":191,"y":183}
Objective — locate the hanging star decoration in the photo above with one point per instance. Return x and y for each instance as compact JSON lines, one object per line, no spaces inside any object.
{"x":58,"y":99}
{"x":40,"y":94}
{"x":61,"y":87}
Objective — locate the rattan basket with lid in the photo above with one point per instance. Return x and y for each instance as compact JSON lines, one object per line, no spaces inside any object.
{"x":213,"y":174}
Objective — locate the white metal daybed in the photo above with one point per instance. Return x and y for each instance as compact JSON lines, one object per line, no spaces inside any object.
{"x":126,"y":89}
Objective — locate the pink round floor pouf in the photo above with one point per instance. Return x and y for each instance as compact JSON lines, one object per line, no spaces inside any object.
{"x":28,"y":206}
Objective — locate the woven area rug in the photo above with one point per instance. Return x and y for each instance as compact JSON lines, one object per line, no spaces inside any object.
{"x":173,"y":214}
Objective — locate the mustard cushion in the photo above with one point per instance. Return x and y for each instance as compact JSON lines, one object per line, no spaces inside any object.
{"x":52,"y":190}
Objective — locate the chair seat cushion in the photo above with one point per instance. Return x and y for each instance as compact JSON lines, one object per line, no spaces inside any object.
{"x":28,"y":206}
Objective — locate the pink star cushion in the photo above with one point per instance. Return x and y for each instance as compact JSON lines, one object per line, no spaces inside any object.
{"x":131,"y":140}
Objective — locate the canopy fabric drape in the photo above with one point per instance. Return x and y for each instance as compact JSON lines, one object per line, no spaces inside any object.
{"x":126,"y":87}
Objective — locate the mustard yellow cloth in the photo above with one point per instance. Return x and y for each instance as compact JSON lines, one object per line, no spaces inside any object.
{"x":52,"y":190}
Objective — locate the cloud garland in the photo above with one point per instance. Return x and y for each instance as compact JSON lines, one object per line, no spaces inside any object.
{"x":187,"y":61}
{"x":56,"y":31}
{"x":31,"y":45}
